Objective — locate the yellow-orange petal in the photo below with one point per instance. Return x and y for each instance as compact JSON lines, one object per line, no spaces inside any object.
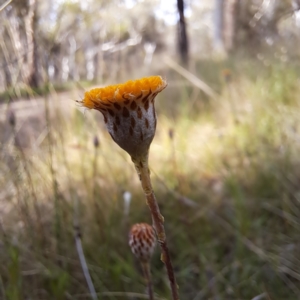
{"x":118,"y":92}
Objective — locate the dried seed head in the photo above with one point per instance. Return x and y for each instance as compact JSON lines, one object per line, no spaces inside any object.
{"x":142,"y":241}
{"x":128,"y":111}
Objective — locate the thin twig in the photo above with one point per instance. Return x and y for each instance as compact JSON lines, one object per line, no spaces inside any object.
{"x":5,"y":4}
{"x":190,"y":77}
{"x":84,"y":264}
{"x":259,"y":297}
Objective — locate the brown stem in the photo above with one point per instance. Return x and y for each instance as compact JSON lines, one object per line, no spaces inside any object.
{"x":141,"y":165}
{"x":147,"y":275}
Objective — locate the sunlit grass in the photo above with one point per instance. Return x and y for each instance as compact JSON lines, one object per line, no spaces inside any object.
{"x":228,"y":185}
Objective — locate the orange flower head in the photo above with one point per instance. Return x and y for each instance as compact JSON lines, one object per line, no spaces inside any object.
{"x":142,"y":241}
{"x":128,"y":110}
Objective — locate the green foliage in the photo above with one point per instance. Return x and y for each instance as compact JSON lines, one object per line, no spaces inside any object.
{"x":14,"y":286}
{"x":57,"y":282}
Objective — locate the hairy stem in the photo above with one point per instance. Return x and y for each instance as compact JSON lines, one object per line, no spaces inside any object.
{"x":141,"y":165}
{"x":147,"y":275}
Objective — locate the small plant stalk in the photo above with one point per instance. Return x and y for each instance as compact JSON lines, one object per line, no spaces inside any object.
{"x":80,"y":252}
{"x":147,"y":275}
{"x":83,"y":263}
{"x":141,"y":165}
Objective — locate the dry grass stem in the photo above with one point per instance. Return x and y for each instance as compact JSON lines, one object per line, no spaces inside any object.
{"x":190,"y":77}
{"x":83,"y":263}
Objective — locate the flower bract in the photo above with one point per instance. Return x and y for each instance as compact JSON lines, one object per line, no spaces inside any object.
{"x":128,"y":110}
{"x":142,"y":241}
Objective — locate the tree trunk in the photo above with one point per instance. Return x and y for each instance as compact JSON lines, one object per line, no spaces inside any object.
{"x":30,"y":66}
{"x":7,"y":76}
{"x":6,"y":59}
{"x":182,"y":34}
{"x":34,"y":78}
{"x":96,"y":66}
{"x":73,"y":73}
{"x":218,"y":26}
{"x":17,"y":52}
{"x":230,"y":16}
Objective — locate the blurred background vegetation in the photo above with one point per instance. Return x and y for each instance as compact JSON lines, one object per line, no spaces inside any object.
{"x":225,"y":159}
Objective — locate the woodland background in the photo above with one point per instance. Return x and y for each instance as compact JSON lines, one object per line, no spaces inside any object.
{"x":61,"y":41}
